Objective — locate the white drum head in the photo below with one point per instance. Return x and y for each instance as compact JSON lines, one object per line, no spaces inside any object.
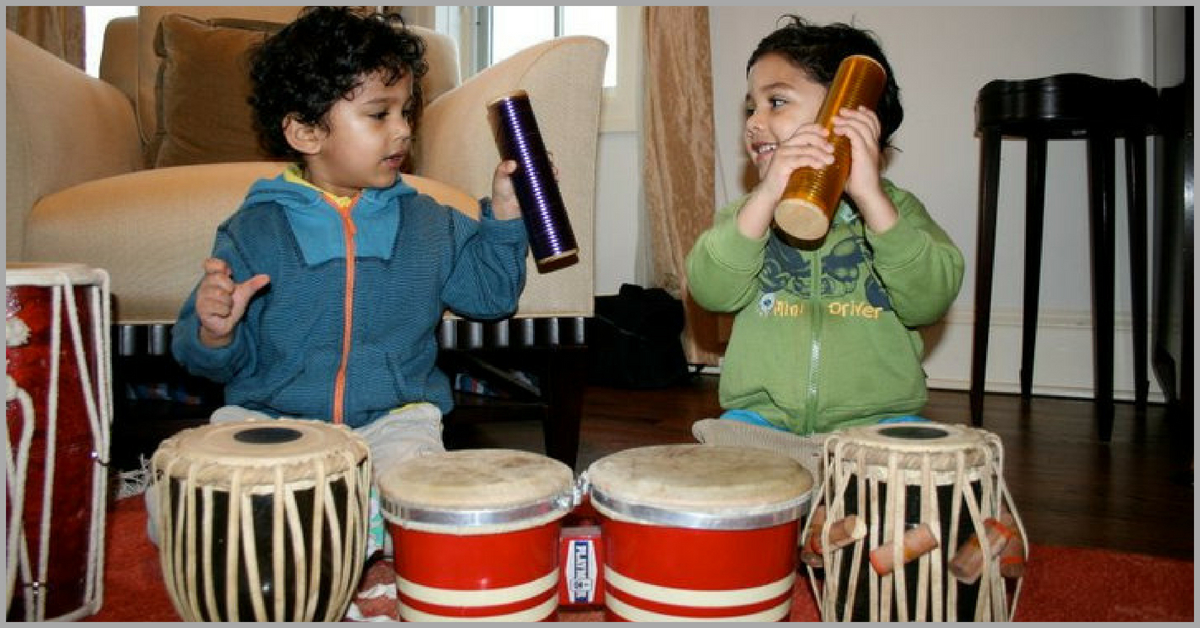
{"x":700,"y":486}
{"x":260,"y":451}
{"x":915,"y":438}
{"x":471,"y":491}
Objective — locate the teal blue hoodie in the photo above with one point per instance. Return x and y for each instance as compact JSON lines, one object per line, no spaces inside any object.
{"x":825,"y":336}
{"x":414,"y":259}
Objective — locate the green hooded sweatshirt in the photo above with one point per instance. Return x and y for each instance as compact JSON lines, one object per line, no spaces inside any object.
{"x":825,"y":334}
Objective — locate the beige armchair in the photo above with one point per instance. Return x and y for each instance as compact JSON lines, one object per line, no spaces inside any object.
{"x":83,"y":184}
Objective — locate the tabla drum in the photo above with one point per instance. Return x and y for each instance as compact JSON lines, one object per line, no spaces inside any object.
{"x":59,"y":408}
{"x":262,"y":520}
{"x":938,"y":518}
{"x":476,"y":533}
{"x":698,"y":532}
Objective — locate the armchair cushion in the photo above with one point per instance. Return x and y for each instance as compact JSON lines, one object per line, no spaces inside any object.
{"x":202,"y":90}
{"x":149,"y":18}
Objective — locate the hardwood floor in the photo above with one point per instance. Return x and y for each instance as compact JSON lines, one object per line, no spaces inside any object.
{"x":1132,"y":494}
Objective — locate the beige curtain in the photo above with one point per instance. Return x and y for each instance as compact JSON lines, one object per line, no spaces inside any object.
{"x":58,"y":30}
{"x":678,"y":171}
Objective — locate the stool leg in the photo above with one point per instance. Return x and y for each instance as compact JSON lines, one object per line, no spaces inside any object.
{"x":1035,"y":209}
{"x":1135,"y":183}
{"x":985,"y":245}
{"x":1100,"y":149}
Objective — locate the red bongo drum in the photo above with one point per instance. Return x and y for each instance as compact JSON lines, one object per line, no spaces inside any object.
{"x":59,"y":413}
{"x":699,"y":532}
{"x":476,"y":534}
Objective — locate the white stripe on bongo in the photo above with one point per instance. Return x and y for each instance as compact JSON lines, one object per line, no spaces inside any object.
{"x":632,"y":613}
{"x":537,"y":613}
{"x":477,"y":597}
{"x":699,"y":598}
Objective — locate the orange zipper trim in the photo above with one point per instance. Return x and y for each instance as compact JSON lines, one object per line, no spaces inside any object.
{"x":339,"y":382}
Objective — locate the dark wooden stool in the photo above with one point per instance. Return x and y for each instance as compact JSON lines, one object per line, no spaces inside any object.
{"x":1066,"y":107}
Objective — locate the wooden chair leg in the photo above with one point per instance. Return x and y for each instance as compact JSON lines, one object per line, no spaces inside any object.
{"x":1100,"y":150}
{"x":1035,"y":210}
{"x":989,"y":182}
{"x":1135,"y":183}
{"x":566,"y":372}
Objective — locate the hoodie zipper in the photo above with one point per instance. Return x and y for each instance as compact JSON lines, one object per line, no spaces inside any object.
{"x":812,"y":389}
{"x":339,"y":382}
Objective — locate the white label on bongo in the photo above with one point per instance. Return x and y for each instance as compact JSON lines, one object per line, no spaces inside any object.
{"x":582,"y":573}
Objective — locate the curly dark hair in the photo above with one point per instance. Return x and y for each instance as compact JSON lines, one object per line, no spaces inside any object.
{"x":322,"y":56}
{"x":818,"y":50}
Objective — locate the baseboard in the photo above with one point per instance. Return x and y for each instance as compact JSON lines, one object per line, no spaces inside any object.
{"x":1063,"y":365}
{"x":1063,"y":362}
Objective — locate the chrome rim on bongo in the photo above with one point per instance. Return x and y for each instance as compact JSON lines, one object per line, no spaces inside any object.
{"x":476,"y":534}
{"x":59,"y":412}
{"x":939,"y":525}
{"x":262,"y":520}
{"x":695,"y":532}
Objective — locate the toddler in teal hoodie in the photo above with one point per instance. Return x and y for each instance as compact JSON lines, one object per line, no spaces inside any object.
{"x":324,"y":290}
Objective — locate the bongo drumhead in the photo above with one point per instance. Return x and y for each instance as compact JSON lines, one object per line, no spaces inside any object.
{"x":455,"y":491}
{"x":700,"y":486}
{"x":259,"y":451}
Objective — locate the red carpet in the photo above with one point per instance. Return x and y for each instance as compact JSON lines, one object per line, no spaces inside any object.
{"x":1061,"y":584}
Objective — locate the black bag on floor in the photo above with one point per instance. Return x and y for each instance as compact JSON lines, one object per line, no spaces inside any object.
{"x":634,"y":339}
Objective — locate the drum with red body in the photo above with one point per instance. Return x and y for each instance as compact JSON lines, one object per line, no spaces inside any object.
{"x":476,"y":534}
{"x":59,"y":412}
{"x":699,"y":532}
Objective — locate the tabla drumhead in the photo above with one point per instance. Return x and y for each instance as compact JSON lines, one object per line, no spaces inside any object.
{"x":260,"y":451}
{"x":943,"y":447}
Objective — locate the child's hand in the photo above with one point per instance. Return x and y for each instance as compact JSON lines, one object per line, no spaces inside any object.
{"x":808,"y":147}
{"x":221,"y":303}
{"x":861,"y":126}
{"x":504,"y":196}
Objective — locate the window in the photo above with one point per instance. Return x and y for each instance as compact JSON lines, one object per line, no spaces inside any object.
{"x":493,"y":33}
{"x":95,"y":19}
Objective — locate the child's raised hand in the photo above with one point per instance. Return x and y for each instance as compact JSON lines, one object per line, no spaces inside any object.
{"x":808,"y":147}
{"x":504,"y":196}
{"x":221,"y":302}
{"x":861,"y":126}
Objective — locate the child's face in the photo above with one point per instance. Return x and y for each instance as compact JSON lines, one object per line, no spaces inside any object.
{"x":779,"y":99}
{"x":367,"y":139}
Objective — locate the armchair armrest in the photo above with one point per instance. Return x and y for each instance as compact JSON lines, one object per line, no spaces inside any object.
{"x":152,"y":229}
{"x":63,"y":127}
{"x":564,"y":80}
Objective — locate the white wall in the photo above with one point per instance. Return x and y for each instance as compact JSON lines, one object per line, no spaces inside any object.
{"x":942,"y":56}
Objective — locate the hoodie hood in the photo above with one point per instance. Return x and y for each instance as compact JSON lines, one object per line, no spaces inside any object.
{"x":318,"y":224}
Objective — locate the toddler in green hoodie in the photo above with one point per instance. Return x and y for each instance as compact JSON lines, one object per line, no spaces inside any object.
{"x":825,"y":331}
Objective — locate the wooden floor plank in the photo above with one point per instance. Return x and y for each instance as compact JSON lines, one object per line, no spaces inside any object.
{"x":1132,"y":494}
